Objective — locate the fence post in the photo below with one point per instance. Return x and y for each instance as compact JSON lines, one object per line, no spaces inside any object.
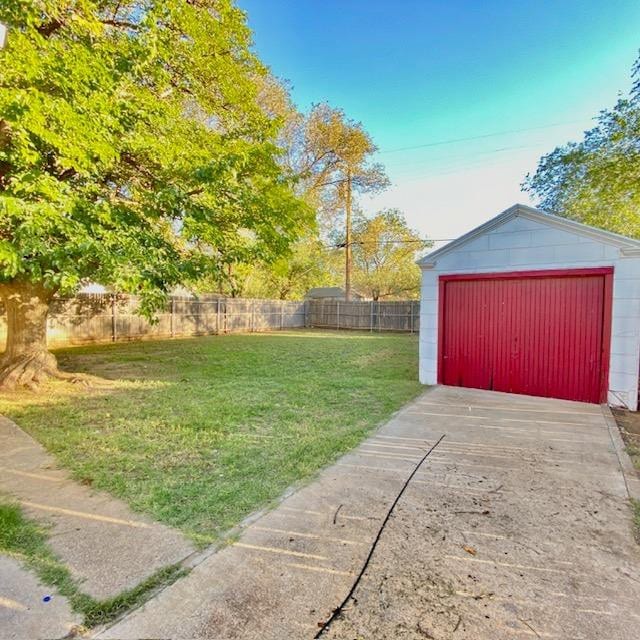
{"x":114,"y":329}
{"x":314,"y":312}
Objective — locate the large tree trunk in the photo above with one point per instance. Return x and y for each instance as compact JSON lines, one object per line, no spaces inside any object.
{"x":26,"y":360}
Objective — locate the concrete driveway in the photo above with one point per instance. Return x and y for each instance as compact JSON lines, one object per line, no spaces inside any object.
{"x":517,"y":526}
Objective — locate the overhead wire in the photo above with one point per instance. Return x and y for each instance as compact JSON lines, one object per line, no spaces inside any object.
{"x":438,"y":143}
{"x":342,"y":245}
{"x":450,"y":170}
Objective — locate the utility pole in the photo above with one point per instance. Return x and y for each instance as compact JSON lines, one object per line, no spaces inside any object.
{"x":347,"y":246}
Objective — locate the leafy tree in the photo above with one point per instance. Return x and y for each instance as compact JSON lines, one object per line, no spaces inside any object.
{"x":289,"y":278}
{"x":384,"y":254}
{"x":597,"y":180}
{"x":134,"y":151}
{"x":331,"y":157}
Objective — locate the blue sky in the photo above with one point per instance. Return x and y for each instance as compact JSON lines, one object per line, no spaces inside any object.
{"x":424,"y":72}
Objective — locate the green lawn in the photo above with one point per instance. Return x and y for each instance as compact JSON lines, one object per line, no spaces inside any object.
{"x":635,"y":506}
{"x":199,"y":433}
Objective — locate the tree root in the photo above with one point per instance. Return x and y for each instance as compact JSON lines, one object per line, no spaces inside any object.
{"x":32,"y":369}
{"x":75,"y":378}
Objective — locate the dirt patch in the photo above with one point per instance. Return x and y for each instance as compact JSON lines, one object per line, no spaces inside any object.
{"x":629,"y":424}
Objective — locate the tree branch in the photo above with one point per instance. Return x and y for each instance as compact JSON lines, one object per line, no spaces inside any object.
{"x":49,"y":28}
{"x":123,"y":24}
{"x":326,"y":184}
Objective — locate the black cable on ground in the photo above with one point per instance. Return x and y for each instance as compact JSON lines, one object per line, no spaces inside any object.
{"x":339,"y":609}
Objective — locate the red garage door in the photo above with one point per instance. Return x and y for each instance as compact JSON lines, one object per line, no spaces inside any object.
{"x":542,"y":333}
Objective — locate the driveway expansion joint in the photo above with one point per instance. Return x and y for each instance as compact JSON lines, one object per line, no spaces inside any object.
{"x":549,"y":531}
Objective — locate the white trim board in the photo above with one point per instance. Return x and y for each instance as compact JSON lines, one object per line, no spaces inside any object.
{"x":627,"y":246}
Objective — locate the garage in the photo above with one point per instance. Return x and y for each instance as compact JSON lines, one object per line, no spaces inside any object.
{"x":534,"y":304}
{"x":540,"y":334}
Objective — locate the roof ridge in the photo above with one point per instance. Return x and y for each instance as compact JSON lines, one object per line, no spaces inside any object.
{"x":526,"y":211}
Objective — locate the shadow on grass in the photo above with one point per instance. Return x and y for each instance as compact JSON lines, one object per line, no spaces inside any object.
{"x":199,"y":433}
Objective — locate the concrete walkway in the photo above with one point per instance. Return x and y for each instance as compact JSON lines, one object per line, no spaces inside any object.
{"x":517,"y":526}
{"x":107,"y":547}
{"x":28,"y":611}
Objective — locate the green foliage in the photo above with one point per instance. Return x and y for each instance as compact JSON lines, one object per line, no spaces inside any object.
{"x":597,"y":180}
{"x":134,"y":147}
{"x":326,"y":151}
{"x":329,"y":157}
{"x":308,"y":265}
{"x":322,"y":145}
{"x":385,"y":250}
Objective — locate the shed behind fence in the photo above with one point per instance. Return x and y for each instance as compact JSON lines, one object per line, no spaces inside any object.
{"x":402,"y":315}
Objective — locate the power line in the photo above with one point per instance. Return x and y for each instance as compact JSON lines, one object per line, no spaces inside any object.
{"x":462,"y":155}
{"x":342,"y":245}
{"x":438,"y":143}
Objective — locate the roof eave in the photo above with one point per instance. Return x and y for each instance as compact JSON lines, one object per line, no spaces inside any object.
{"x":501,"y":218}
{"x":627,"y":246}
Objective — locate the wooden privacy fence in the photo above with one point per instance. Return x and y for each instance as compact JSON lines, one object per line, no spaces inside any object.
{"x":89,"y":318}
{"x":403,"y":315}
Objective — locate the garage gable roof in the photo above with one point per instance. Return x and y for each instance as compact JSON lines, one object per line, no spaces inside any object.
{"x":627,"y":246}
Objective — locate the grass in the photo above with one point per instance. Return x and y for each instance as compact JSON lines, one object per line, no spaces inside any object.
{"x":634,"y":453}
{"x":635,"y":506}
{"x":199,"y":433}
{"x":629,"y":425}
{"x":26,"y":541}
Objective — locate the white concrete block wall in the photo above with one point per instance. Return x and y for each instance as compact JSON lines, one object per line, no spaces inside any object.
{"x":429,"y":328}
{"x":625,"y":332}
{"x":523,"y":244}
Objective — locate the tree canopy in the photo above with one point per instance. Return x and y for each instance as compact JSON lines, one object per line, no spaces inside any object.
{"x":322,"y":146}
{"x":339,"y":154}
{"x":135,"y":150}
{"x":309,"y":264}
{"x":385,"y":250}
{"x":330,"y":158}
{"x":597,"y":180}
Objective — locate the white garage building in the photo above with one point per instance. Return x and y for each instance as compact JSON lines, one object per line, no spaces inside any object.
{"x":535,"y":304}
